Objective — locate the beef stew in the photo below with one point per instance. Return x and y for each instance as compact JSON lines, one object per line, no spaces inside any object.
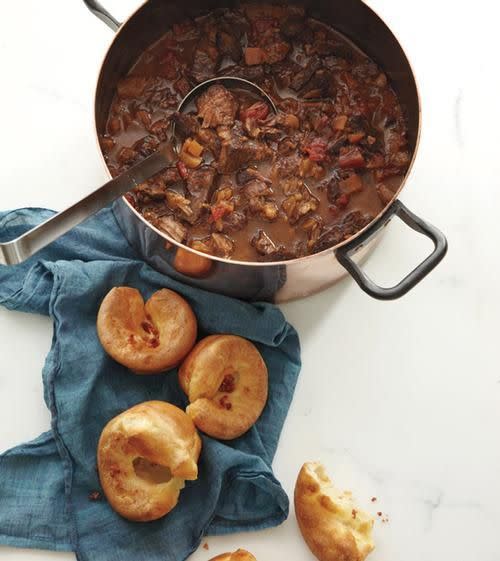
{"x":251,"y":185}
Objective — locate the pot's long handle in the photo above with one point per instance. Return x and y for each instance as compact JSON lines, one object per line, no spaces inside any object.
{"x":25,"y":246}
{"x":103,"y":14}
{"x":416,"y":223}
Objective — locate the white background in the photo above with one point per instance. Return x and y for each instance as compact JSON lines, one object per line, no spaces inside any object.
{"x":400,"y":400}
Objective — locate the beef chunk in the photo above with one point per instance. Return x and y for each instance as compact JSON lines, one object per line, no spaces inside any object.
{"x":352,"y":223}
{"x":257,"y":188}
{"x":160,"y":128}
{"x":172,"y":227}
{"x":185,"y":125}
{"x":217,"y":106}
{"x":170,"y":176}
{"x":286,"y":166}
{"x":238,"y":150}
{"x":234,"y":221}
{"x":153,"y":189}
{"x":292,"y":25}
{"x":199,"y":183}
{"x":209,"y":139}
{"x":252,"y":73}
{"x":131,"y":87}
{"x":182,"y":86}
{"x":320,"y":85}
{"x":303,"y":76}
{"x":179,"y":203}
{"x":249,"y":174}
{"x":229,"y":45}
{"x":222,"y":245}
{"x":203,"y":66}
{"x":276,"y":52}
{"x":127,"y":156}
{"x":236,"y":22}
{"x":284,"y":72}
{"x":264,"y":245}
{"x":147,"y":145}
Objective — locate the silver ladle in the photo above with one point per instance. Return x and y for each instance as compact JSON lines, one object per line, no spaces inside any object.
{"x":23,"y":247}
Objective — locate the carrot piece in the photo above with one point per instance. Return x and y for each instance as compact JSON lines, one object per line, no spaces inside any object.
{"x":340,"y":122}
{"x":254,"y":55}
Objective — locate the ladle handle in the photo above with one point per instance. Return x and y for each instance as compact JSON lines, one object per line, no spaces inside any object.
{"x":25,"y":246}
{"x":103,"y":14}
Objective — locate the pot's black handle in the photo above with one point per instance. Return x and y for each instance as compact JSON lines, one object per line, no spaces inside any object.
{"x":416,"y":223}
{"x":102,"y":14}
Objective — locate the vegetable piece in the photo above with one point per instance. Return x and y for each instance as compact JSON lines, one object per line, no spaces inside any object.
{"x":193,"y":147}
{"x":340,"y":122}
{"x":254,"y":55}
{"x":355,"y":137}
{"x":258,"y":111}
{"x":183,"y":171}
{"x":190,"y":161}
{"x":351,"y":158}
{"x":352,"y":184}
{"x":316,"y":150}
{"x":220,"y":210}
{"x":291,"y":121}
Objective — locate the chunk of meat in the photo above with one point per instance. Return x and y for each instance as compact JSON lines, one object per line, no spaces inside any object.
{"x":292,"y":25}
{"x":160,"y":128}
{"x":351,"y":223}
{"x":185,"y":125}
{"x":222,"y":245}
{"x":257,"y":188}
{"x":153,"y":189}
{"x":178,"y":202}
{"x":198,"y":185}
{"x":253,"y":73}
{"x":351,"y":158}
{"x":147,"y":145}
{"x":276,"y":52}
{"x":284,"y":72}
{"x":217,"y":106}
{"x":172,"y":227}
{"x":249,"y":174}
{"x":285,"y":167}
{"x":127,"y":156}
{"x":264,"y":244}
{"x":316,"y":149}
{"x":107,"y":143}
{"x":203,"y":66}
{"x":238,"y":150}
{"x":182,"y":86}
{"x":233,"y":221}
{"x":209,"y":139}
{"x":131,"y":87}
{"x":320,"y":85}
{"x":170,"y":176}
{"x":303,"y":76}
{"x":229,"y":45}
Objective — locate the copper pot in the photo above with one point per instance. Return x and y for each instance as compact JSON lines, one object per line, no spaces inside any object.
{"x":285,"y":280}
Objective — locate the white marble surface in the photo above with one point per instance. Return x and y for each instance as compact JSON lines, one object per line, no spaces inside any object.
{"x":400,"y":400}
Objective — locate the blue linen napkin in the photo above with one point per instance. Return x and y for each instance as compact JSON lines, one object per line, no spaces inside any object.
{"x":45,"y":484}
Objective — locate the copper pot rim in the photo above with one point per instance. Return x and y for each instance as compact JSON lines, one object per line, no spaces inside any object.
{"x":304,"y":259}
